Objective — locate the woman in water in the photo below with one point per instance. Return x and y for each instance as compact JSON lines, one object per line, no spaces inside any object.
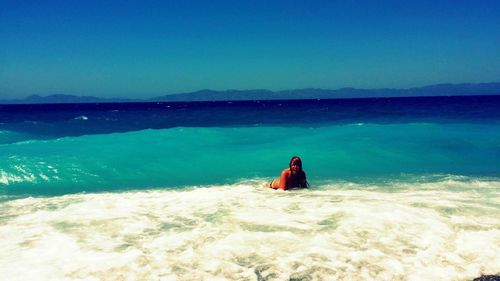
{"x":292,"y":177}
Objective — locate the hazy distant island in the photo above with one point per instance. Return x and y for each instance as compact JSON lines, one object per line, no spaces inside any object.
{"x":466,"y":89}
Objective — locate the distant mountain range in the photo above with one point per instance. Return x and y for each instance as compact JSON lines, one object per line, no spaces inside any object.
{"x":234,"y":95}
{"x":36,"y":99}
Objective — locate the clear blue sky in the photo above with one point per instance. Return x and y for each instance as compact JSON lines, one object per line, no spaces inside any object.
{"x":150,"y":48}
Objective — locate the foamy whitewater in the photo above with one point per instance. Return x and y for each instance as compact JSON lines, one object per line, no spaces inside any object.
{"x":417,"y":198}
{"x":448,"y":230}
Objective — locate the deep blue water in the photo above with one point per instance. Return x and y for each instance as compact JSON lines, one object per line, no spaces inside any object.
{"x":59,"y":120}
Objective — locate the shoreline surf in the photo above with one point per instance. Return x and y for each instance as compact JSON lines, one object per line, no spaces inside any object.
{"x":244,"y":231}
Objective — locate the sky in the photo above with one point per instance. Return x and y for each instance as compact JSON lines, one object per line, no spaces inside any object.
{"x":141,"y":49}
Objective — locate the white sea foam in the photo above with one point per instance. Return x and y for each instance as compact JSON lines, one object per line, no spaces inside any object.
{"x":22,"y":174}
{"x":247,"y":232}
{"x":7,"y":178}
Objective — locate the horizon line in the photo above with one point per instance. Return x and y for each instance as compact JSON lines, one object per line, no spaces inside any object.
{"x":244,"y":90}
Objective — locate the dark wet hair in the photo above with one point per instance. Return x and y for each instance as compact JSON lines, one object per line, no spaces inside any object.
{"x":301,"y":173}
{"x":297,"y":159}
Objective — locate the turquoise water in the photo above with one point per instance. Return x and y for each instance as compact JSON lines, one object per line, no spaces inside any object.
{"x":95,"y":196}
{"x":177,"y":157}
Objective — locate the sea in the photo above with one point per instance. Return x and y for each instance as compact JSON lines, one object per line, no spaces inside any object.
{"x":400,"y":189}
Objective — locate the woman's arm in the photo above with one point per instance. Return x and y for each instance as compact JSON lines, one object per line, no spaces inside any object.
{"x":283,"y":179}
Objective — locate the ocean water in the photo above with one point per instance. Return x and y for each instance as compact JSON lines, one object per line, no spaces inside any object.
{"x":401,"y":189}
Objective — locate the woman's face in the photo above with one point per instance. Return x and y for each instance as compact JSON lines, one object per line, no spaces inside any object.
{"x":295,"y":166}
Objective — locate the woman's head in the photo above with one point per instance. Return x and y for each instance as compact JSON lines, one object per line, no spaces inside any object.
{"x":295,"y":165}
